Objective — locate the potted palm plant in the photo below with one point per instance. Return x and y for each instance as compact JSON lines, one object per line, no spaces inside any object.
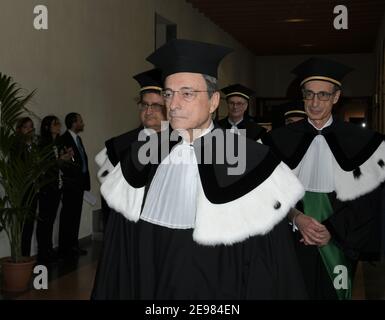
{"x":20,"y":180}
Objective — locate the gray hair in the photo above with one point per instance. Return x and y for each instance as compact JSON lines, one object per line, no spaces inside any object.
{"x":336,"y":88}
{"x":211,"y":84}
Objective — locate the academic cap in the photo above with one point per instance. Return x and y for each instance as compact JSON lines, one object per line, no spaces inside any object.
{"x":149,"y":80}
{"x":295,"y":109}
{"x":321,"y":69}
{"x":238,"y":90}
{"x":179,"y":55}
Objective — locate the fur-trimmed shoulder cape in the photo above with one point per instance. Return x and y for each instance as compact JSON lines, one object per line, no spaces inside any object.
{"x":359,"y":153}
{"x":230,"y":208}
{"x":359,"y":174}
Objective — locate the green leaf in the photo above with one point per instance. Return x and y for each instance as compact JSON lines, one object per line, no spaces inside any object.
{"x":22,"y":173}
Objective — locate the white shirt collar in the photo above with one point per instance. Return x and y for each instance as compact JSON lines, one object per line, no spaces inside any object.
{"x":148,"y":131}
{"x":234,"y":123}
{"x":73,"y":134}
{"x":328,"y":123}
{"x":202,"y":133}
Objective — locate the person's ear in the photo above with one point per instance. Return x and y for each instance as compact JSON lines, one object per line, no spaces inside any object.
{"x":246,"y":106}
{"x":214,"y":101}
{"x":336,"y":97}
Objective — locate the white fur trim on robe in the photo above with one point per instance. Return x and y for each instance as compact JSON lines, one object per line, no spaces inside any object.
{"x":121,"y":196}
{"x":348,"y":187}
{"x":257,"y":212}
{"x":105,"y":165}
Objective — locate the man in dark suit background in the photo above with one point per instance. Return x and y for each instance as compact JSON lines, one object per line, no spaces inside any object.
{"x":76,"y":179}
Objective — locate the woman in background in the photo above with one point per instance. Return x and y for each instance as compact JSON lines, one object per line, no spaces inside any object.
{"x":50,"y":193}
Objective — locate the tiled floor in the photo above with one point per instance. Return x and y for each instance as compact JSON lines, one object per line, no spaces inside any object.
{"x":74,"y":280}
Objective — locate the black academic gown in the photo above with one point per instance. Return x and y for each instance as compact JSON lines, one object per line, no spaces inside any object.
{"x":355,"y":224}
{"x":253,"y":130}
{"x":142,"y":260}
{"x":116,"y":145}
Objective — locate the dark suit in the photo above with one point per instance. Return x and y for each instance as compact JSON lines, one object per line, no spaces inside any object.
{"x":253,"y":130}
{"x":75,"y":182}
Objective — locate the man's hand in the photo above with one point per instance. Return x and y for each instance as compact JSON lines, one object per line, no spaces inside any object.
{"x":313,"y":232}
{"x":67,"y":154}
{"x":325,"y":238}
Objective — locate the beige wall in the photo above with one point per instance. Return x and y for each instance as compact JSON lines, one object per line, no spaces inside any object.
{"x":85,"y":60}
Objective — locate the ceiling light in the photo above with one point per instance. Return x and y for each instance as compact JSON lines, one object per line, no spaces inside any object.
{"x":295,"y":20}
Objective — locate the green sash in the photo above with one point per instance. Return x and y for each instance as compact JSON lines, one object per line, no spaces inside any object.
{"x":317,"y":206}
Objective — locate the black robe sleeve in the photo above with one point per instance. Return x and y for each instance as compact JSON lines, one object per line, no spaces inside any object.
{"x":356,"y":225}
{"x":284,"y":281}
{"x":115,"y":272}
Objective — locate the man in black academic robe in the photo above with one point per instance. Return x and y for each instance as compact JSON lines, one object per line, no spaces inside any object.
{"x":237,"y":98}
{"x":231,"y":240}
{"x":151,"y":114}
{"x":342,"y":168}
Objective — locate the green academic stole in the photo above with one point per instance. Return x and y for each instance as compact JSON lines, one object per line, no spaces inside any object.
{"x":317,"y":206}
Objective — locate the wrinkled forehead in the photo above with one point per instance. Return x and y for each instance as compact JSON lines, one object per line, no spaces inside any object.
{"x":152,"y":97}
{"x":179,"y":80}
{"x":318,"y":85}
{"x":236,"y":99}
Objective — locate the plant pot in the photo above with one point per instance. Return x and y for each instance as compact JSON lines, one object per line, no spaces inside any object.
{"x":17,"y":275}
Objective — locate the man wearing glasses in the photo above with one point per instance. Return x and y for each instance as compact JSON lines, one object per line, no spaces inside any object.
{"x":342,"y":168}
{"x":151,"y":113}
{"x":189,"y":229}
{"x":237,"y":98}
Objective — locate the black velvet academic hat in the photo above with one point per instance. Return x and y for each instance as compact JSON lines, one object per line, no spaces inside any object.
{"x":294,"y":109}
{"x":180,"y":55}
{"x":238,"y":90}
{"x":149,"y":80}
{"x":321,"y":69}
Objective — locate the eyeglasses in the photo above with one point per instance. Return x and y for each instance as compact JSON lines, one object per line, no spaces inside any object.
{"x":153,"y":106}
{"x":322,"y":95}
{"x":236,"y":104}
{"x":186,"y":94}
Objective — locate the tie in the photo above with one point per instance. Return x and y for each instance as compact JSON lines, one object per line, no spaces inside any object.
{"x":82,"y":154}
